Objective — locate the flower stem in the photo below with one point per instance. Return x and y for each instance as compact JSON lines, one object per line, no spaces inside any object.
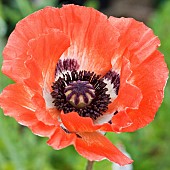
{"x":89,"y":165}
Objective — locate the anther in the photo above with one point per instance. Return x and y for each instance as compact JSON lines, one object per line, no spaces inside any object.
{"x":83,"y":92}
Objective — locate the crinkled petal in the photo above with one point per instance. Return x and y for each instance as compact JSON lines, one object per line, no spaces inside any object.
{"x":46,"y":51}
{"x":95,"y":146}
{"x":120,"y":121}
{"x":129,"y":95}
{"x":136,"y":38}
{"x":36,"y":84}
{"x":93,"y":39}
{"x":14,"y":68}
{"x":140,"y":93}
{"x":17,"y":46}
{"x":42,"y":113}
{"x":16,"y":102}
{"x":28,"y":28}
{"x":42,"y":71}
{"x":117,"y":123}
{"x":42,"y":129}
{"x":75,"y":123}
{"x":150,"y":76}
{"x":60,"y":139}
{"x":137,"y":46}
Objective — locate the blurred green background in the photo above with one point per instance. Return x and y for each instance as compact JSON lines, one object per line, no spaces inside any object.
{"x":149,"y":147}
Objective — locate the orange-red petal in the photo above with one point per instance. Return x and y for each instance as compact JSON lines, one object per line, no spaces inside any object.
{"x":95,"y":146}
{"x":15,"y":68}
{"x":118,"y":122}
{"x":15,"y":100}
{"x":93,"y":39}
{"x":32,"y":53}
{"x":42,"y":113}
{"x":60,"y":139}
{"x":46,"y":51}
{"x":17,"y":46}
{"x":137,"y":45}
{"x":15,"y":52}
{"x":75,"y":123}
{"x":150,"y":76}
{"x":42,"y":129}
{"x":36,"y":84}
{"x":135,"y":38}
{"x":129,"y":95}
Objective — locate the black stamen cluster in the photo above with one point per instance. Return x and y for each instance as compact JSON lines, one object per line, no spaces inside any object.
{"x":114,"y":78}
{"x":98,"y":105}
{"x":66,"y":64}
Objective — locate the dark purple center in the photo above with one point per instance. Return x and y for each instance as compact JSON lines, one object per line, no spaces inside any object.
{"x":82,"y":91}
{"x":79,"y":93}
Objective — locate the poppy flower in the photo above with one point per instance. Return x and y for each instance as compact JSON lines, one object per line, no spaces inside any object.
{"x":79,"y":74}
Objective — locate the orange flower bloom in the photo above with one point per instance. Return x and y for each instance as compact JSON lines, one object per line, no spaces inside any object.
{"x":79,"y":74}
